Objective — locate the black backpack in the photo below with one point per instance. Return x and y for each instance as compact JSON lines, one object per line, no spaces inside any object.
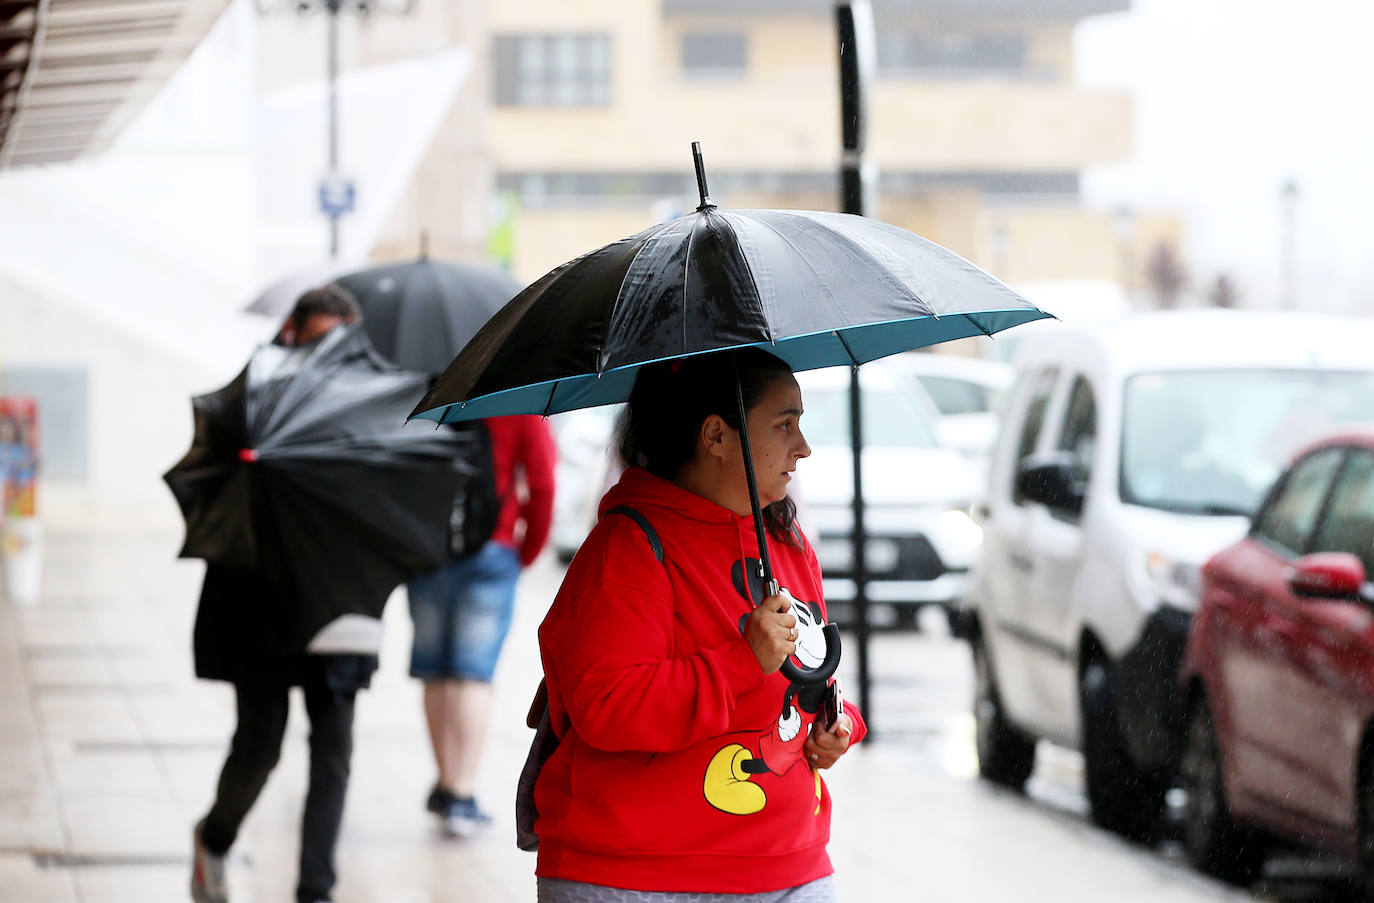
{"x":476,"y":507}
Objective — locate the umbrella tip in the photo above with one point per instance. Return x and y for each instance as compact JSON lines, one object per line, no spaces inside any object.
{"x":701,"y":176}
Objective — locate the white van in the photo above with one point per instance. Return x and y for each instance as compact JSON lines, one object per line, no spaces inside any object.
{"x":1129,"y":453}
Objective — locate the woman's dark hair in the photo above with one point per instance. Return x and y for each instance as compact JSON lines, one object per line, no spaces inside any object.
{"x":658,"y":429}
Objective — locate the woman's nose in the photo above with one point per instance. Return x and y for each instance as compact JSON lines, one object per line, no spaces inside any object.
{"x":804,"y":450}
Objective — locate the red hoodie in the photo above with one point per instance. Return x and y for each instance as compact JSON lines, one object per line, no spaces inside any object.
{"x":680,"y":764}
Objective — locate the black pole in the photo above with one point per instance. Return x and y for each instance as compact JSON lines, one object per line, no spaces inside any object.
{"x":854,"y":19}
{"x":333,"y":41}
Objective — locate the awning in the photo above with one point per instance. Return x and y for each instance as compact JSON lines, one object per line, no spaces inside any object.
{"x":73,"y":72}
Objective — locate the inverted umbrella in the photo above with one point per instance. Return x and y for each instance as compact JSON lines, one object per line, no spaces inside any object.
{"x":815,"y":289}
{"x":300,"y":470}
{"x":419,"y":313}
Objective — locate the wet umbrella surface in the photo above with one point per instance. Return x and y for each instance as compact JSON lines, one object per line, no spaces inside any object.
{"x":418,"y":314}
{"x":300,"y":470}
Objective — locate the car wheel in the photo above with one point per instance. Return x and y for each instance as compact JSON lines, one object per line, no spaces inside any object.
{"x":1214,"y":843}
{"x":1006,"y":756}
{"x":1122,"y":797}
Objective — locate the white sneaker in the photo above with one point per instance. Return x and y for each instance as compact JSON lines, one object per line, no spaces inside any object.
{"x":207,"y":873}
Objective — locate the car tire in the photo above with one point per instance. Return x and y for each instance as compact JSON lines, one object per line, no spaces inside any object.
{"x":1123,"y":798}
{"x":1006,"y":755}
{"x":1214,"y":843}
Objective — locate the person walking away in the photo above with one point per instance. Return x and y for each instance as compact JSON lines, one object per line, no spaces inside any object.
{"x":688,"y":767}
{"x":237,"y":639}
{"x":462,"y":613}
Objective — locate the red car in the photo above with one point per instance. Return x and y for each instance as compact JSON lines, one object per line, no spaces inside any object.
{"x":1279,"y":674}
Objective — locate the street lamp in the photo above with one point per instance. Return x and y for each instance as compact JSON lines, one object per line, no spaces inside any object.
{"x":337,"y":193}
{"x":1288,"y":210}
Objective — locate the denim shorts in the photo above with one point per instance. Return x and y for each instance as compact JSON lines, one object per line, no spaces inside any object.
{"x":462,"y":613}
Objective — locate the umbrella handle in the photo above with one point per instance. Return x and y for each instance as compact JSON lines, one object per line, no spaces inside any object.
{"x":821,"y":673}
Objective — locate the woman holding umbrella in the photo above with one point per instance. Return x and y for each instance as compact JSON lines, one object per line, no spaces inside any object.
{"x":688,"y":763}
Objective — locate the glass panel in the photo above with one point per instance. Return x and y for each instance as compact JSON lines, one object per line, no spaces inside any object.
{"x":890,"y":418}
{"x":1212,"y":442}
{"x":957,"y":396}
{"x":1349,"y":522}
{"x":1289,"y":520}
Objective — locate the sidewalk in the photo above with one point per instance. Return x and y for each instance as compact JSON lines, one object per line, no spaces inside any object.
{"x":109,"y":752}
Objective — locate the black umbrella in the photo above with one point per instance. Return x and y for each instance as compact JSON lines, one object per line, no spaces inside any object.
{"x":816,"y":289}
{"x":420,"y":313}
{"x":277,"y":299}
{"x":301,"y":471}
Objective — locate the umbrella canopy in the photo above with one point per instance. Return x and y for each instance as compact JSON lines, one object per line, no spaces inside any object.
{"x":816,"y":289}
{"x":300,"y":470}
{"x":277,"y":299}
{"x":418,"y":314}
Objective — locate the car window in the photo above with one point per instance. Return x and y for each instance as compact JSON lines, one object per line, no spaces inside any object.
{"x":1041,"y":390}
{"x":1214,"y":441}
{"x":957,"y":396}
{"x":1288,"y":519}
{"x":891,"y":418}
{"x":1078,"y":436}
{"x":1348,"y":525}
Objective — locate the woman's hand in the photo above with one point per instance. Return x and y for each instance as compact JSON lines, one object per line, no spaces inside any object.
{"x":824,"y":748}
{"x":771,"y":632}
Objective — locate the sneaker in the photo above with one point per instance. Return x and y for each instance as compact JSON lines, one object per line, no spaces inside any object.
{"x":207,"y":872}
{"x":464,"y":818}
{"x":439,"y":800}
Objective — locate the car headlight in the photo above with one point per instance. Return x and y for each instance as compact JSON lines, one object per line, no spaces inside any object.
{"x":958,"y":529}
{"x":1177,"y":582}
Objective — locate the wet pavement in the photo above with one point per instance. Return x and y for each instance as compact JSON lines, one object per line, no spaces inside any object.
{"x":109,"y":750}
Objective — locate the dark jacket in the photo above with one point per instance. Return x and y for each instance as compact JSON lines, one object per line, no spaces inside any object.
{"x":240,"y":637}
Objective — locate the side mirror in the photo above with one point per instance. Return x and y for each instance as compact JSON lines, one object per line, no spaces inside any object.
{"x":1050,"y":480}
{"x":1327,"y":575}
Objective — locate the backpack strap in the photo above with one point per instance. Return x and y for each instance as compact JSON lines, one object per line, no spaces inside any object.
{"x":648,"y":528}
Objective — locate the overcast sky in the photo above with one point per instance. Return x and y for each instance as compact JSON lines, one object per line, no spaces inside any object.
{"x":1232,"y":97}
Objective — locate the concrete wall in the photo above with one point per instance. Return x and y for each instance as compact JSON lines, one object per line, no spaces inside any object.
{"x":138,"y":402}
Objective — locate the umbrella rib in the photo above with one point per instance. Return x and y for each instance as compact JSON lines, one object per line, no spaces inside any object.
{"x":980,"y":326}
{"x":854,"y":361}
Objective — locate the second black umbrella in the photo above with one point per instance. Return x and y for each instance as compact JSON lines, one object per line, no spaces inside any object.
{"x":420,"y":313}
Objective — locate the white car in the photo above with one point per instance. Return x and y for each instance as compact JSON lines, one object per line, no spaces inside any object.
{"x":921,"y":540}
{"x":586,"y":469}
{"x":1129,"y":453}
{"x":966,"y":392}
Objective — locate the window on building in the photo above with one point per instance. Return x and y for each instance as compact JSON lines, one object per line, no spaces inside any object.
{"x":714,"y":54}
{"x":552,"y":70}
{"x":949,"y":53}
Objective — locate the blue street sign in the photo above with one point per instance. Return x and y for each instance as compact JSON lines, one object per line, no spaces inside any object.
{"x":338,"y":195}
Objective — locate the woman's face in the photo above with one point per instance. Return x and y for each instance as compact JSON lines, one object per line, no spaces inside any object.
{"x":775,"y":438}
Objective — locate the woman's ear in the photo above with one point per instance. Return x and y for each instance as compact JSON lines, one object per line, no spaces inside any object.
{"x":714,"y":436}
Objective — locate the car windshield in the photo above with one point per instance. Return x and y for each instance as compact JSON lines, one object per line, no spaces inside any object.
{"x":958,"y":396}
{"x":1212,"y":442}
{"x":890,"y":418}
